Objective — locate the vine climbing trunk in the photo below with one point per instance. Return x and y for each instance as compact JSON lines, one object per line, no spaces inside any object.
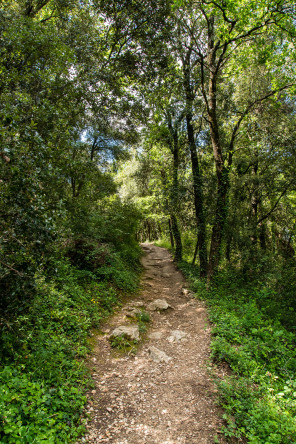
{"x":175,"y":197}
{"x":222,"y":172}
{"x":174,"y":147}
{"x":177,"y":237}
{"x":196,"y":173}
{"x":198,"y":200}
{"x":171,"y":234}
{"x":255,"y":200}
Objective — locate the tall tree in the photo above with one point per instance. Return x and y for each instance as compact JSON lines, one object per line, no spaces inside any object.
{"x":224,"y":29}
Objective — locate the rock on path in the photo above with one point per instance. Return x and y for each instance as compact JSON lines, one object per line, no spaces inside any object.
{"x":163,"y":394}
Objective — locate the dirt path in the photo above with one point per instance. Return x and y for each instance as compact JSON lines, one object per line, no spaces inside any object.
{"x":138,"y":400}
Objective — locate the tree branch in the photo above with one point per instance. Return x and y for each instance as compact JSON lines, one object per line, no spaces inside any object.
{"x":276,"y":203}
{"x":11,"y":268}
{"x":247,"y":110}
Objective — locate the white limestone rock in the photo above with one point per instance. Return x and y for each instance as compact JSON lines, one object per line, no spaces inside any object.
{"x":130,"y":332}
{"x":133,"y":313}
{"x":177,"y":336}
{"x":155,"y":335}
{"x":158,"y":304}
{"x":158,"y":355}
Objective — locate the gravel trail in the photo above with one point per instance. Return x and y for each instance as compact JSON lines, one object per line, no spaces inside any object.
{"x":163,"y":394}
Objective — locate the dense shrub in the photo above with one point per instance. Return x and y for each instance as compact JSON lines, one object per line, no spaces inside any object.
{"x":43,"y":377}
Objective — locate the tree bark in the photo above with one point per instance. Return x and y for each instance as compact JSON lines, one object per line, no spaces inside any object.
{"x":222,"y":172}
{"x":228,"y":248}
{"x":174,"y":146}
{"x":196,"y":173}
{"x":255,"y":202}
{"x":175,"y":196}
{"x":198,"y":200}
{"x":171,"y":233}
{"x":219,"y":224}
{"x":177,"y":237}
{"x":195,"y":253}
{"x":262,"y":236}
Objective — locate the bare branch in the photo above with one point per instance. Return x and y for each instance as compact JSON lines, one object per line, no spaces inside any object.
{"x":11,"y":268}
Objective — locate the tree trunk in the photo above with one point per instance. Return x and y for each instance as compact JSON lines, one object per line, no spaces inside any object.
{"x":159,"y":231}
{"x":220,"y":218}
{"x":177,"y":237}
{"x":219,"y":224}
{"x":175,"y":191}
{"x":255,"y":203}
{"x":171,"y":233}
{"x":228,"y":248}
{"x":175,"y":196}
{"x":196,"y":173}
{"x":198,"y":199}
{"x":262,"y":236}
{"x":149,"y":230}
{"x":221,"y":170}
{"x":195,"y":253}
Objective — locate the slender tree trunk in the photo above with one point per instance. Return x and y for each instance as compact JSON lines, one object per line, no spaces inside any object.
{"x":175,"y":197}
{"x":221,"y":170}
{"x":196,"y":173}
{"x":149,"y":230}
{"x":254,"y":235}
{"x":171,"y":233}
{"x":255,"y":203}
{"x":219,"y":224}
{"x":177,"y":237}
{"x":262,"y":235}
{"x":175,"y":191}
{"x":73,"y":185}
{"x":195,"y":253}
{"x":159,"y":230}
{"x":228,"y":248}
{"x":198,"y":199}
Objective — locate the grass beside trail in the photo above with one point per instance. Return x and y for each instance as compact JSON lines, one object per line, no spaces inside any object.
{"x":254,"y":332}
{"x":43,"y":376}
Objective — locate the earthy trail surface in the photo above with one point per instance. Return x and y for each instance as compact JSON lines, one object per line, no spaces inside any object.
{"x":150,"y":398}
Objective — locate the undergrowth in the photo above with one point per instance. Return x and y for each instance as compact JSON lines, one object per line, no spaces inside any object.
{"x":124,"y":343}
{"x":254,"y":335}
{"x":43,"y":377}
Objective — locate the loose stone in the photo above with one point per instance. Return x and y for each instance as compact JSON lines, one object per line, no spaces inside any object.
{"x":130,"y":332}
{"x":155,"y":335}
{"x":158,"y":355}
{"x":158,"y":304}
{"x":177,"y":335}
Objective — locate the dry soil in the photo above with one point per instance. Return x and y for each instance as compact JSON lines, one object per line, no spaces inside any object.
{"x":137,"y":400}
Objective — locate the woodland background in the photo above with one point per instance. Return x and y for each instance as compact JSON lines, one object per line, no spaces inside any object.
{"x":168,"y":121}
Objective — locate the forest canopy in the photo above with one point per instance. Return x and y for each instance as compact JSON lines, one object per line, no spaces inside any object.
{"x":126,"y":121}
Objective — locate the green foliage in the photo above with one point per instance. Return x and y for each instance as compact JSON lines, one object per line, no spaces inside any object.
{"x":37,"y":411}
{"x":259,"y":398}
{"x":123,"y":343}
{"x":143,"y":318}
{"x":76,"y":80}
{"x":43,"y":390}
{"x":104,"y":262}
{"x":117,"y":271}
{"x":163,"y":242}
